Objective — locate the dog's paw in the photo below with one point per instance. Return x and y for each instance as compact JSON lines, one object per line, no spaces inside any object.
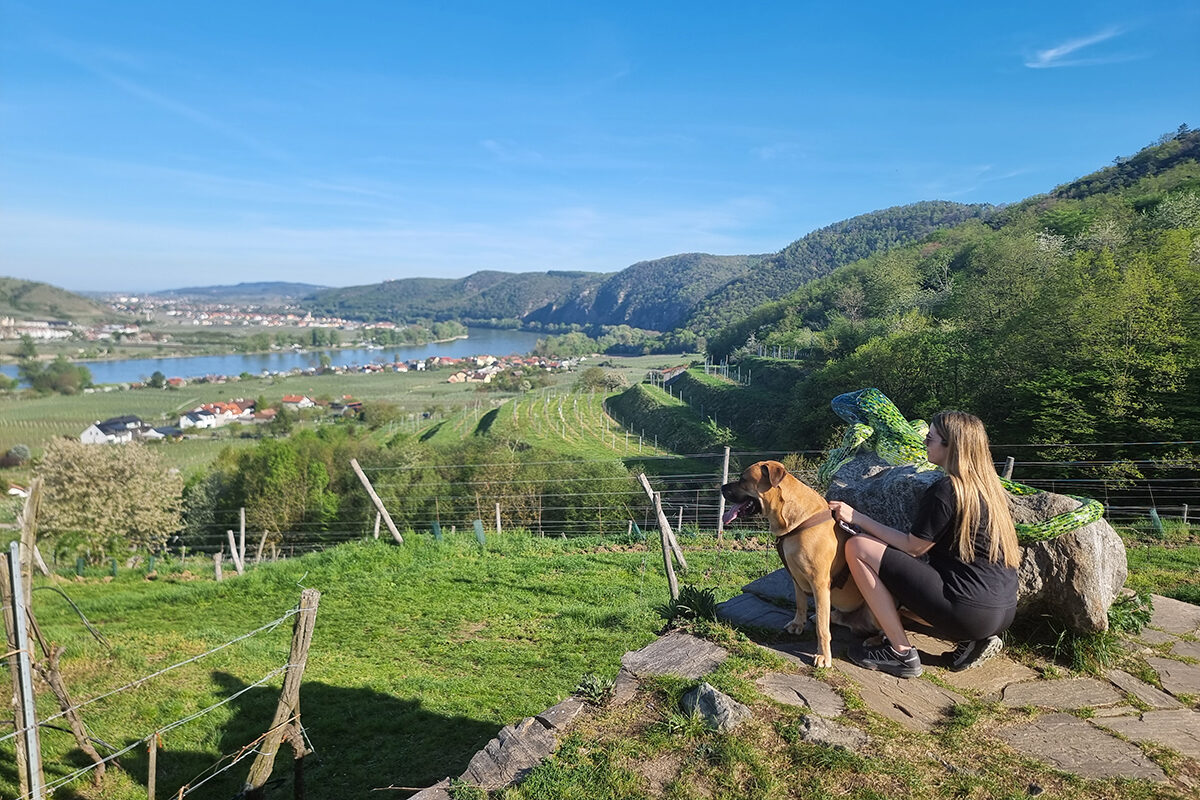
{"x":796,"y":626}
{"x":822,"y":660}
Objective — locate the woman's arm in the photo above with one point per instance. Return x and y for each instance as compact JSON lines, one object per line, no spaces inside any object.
{"x":913,"y":545}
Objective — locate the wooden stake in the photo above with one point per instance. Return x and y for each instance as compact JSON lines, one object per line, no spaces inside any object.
{"x":233,"y":553}
{"x":721,"y":504}
{"x":242,"y":534}
{"x":665,"y":534}
{"x":375,"y":499}
{"x":152,"y":768}
{"x":662,"y":521}
{"x":376,"y":532}
{"x":7,"y":581}
{"x":1008,"y":467}
{"x":217,"y":566}
{"x":286,"y":723}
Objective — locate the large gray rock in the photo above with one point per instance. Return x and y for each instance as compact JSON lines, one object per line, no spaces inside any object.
{"x":1072,"y":578}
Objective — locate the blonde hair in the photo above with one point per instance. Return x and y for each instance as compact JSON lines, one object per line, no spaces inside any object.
{"x":977,"y":487}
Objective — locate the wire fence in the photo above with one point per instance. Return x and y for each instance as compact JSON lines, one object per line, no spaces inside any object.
{"x":159,"y":731}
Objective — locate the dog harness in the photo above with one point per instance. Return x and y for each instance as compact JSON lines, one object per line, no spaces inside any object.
{"x":835,"y":581}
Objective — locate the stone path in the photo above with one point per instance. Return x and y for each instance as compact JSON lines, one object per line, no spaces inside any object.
{"x":1099,"y":740}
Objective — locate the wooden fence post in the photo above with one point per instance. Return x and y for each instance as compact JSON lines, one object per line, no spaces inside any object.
{"x":286,"y":723}
{"x":217,"y":566}
{"x":1008,"y":467}
{"x":375,"y":533}
{"x":233,"y":552}
{"x":497,"y":518}
{"x":375,"y":499}
{"x":26,"y":720}
{"x":665,"y":534}
{"x":7,"y":580}
{"x":721,"y":503}
{"x":242,"y":535}
{"x":662,"y":521}
{"x":152,"y":767}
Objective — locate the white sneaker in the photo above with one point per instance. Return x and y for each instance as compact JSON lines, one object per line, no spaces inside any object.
{"x":974,"y":652}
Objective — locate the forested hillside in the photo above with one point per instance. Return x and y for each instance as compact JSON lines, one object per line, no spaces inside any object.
{"x":1068,"y":317}
{"x":822,"y":251}
{"x":654,"y":295}
{"x":696,"y":292}
{"x":483,"y":296}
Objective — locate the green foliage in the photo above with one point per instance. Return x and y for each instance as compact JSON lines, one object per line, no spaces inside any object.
{"x":17,"y":455}
{"x":59,"y":376}
{"x":694,"y":603}
{"x":1065,"y":319}
{"x":593,"y":688}
{"x":27,"y":348}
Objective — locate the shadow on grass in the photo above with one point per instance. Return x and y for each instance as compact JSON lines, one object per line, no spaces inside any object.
{"x":362,"y":740}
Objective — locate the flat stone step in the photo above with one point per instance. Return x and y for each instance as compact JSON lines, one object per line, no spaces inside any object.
{"x":675,"y":654}
{"x":1066,"y":694}
{"x":750,"y":610}
{"x":801,"y":690}
{"x":989,"y":678}
{"x":1178,"y":729}
{"x":1074,"y":745}
{"x":1141,"y":690}
{"x":775,"y":587}
{"x":1174,"y":616}
{"x":1176,"y":677}
{"x":916,"y":704}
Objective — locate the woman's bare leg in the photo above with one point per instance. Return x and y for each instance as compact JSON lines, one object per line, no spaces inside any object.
{"x":863,"y":554}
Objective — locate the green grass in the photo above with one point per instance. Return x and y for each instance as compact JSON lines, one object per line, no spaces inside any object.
{"x":421,"y":653}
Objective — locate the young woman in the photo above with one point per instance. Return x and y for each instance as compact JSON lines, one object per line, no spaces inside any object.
{"x":956,"y":569}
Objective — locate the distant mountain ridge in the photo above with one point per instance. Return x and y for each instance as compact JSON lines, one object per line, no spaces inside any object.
{"x":253,"y":291}
{"x":699,"y":291}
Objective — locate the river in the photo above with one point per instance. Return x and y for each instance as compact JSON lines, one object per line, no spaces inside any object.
{"x":479,"y":341}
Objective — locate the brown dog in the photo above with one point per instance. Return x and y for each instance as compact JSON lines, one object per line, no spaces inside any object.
{"x":810,"y":545}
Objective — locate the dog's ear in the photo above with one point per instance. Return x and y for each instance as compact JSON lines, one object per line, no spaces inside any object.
{"x":776,"y":473}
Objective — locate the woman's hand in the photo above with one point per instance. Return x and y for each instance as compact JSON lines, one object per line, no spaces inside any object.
{"x":842,"y":512}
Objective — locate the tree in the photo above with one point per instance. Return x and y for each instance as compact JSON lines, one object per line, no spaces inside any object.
{"x":101,"y":500}
{"x":157,"y":380}
{"x":17,"y":455}
{"x":26,"y":349}
{"x":60,"y":375}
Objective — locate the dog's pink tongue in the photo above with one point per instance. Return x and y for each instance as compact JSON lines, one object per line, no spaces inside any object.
{"x":732,"y":513}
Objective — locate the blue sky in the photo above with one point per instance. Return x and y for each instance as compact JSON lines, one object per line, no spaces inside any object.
{"x":151,"y":145}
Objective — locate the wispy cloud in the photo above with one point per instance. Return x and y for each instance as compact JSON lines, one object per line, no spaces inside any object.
{"x":98,"y":61}
{"x":1068,"y":54}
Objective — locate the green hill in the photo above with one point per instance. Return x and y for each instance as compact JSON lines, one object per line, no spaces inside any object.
{"x":821,"y":252}
{"x":23,"y":299}
{"x":1068,"y":317}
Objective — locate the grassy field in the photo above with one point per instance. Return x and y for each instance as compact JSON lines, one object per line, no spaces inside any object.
{"x":421,"y":653}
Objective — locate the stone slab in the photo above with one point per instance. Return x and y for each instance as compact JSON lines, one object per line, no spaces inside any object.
{"x":1153,"y":636}
{"x":916,"y":704}
{"x":561,"y":715}
{"x":1175,"y":676}
{"x":1115,"y":711}
{"x":750,"y":610}
{"x":624,"y":688}
{"x":1178,"y":729}
{"x":1174,"y":616}
{"x":1074,"y":745}
{"x":1186,"y":649}
{"x":1141,"y":690}
{"x":775,"y":586}
{"x":1064,"y":695}
{"x":675,"y":654}
{"x":801,"y":690}
{"x":515,"y":751}
{"x":832,"y":734}
{"x":989,"y":678}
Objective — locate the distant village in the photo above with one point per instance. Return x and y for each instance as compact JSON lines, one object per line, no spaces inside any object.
{"x":128,"y":428}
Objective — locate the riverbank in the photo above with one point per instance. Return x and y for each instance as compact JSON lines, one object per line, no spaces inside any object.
{"x":140,"y":366}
